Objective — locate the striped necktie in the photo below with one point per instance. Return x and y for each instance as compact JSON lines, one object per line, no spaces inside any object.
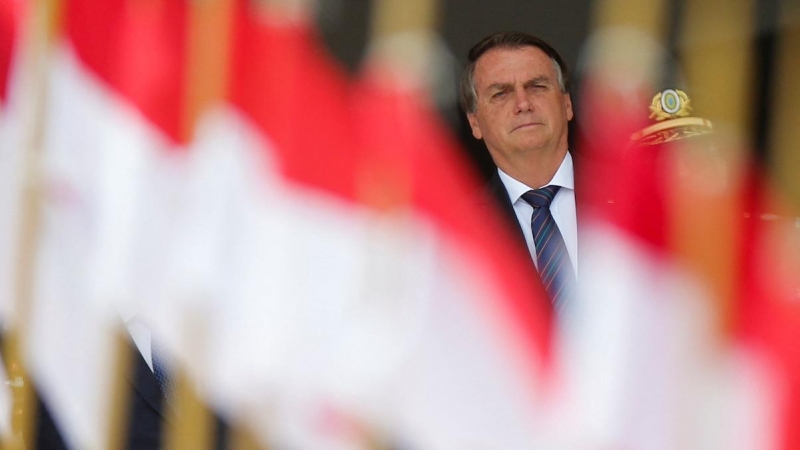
{"x":552,"y":258}
{"x":163,"y":376}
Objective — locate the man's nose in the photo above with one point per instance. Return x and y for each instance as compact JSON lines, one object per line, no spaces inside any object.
{"x":521,"y":100}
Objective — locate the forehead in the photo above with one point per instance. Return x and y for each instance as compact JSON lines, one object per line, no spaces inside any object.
{"x":509,"y":65}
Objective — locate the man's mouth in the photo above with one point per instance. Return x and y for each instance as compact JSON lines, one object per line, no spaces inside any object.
{"x":526,"y":125}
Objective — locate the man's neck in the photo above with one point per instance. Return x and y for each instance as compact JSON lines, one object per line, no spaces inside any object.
{"x":534,"y":172}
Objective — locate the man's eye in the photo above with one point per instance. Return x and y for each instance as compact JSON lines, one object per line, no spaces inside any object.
{"x":499,"y":95}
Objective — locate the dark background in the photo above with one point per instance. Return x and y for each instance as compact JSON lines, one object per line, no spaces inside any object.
{"x":565,"y":24}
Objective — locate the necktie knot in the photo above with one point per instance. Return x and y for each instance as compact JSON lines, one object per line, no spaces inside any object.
{"x":541,"y":197}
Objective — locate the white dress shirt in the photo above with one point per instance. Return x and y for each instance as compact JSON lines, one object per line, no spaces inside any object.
{"x":562,"y":208}
{"x":142,"y":337}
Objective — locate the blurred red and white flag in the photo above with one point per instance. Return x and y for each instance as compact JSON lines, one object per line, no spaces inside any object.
{"x":11,"y":176}
{"x":109,"y":132}
{"x":442,"y":344}
{"x":309,"y":252}
{"x":12,"y":127}
{"x":654,"y":355}
{"x":339,"y":295}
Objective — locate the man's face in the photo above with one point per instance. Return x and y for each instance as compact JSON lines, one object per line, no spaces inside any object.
{"x":520,"y":107}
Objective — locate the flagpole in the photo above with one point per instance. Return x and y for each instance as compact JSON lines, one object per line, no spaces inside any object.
{"x":190,"y":423}
{"x":401,"y":48}
{"x":626,"y":41}
{"x":397,"y":17}
{"x":120,"y":398}
{"x":208,"y":59}
{"x":242,"y":438}
{"x":784,"y":159}
{"x":646,"y":16}
{"x":38,"y":42}
{"x":402,"y":36}
{"x":400,"y":52}
{"x":717,"y":51}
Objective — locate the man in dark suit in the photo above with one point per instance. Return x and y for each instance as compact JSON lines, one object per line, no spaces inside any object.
{"x":147,"y":412}
{"x":147,"y":417}
{"x":515,"y":92}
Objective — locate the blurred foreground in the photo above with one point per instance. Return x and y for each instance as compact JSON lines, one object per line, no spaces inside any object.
{"x":304,"y":252}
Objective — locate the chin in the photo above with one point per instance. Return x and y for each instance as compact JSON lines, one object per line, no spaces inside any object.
{"x":533,"y":144}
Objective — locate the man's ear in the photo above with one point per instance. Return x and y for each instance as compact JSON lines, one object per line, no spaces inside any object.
{"x":568,"y":105}
{"x":473,"y":123}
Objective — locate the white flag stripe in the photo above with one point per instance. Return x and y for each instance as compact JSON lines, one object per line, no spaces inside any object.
{"x":97,"y":152}
{"x":643,"y":366}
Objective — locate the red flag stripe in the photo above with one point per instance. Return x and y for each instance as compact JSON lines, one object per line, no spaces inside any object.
{"x":139,"y":49}
{"x":8,"y":31}
{"x":297,"y":96}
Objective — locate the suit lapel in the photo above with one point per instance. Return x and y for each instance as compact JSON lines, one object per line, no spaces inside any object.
{"x":497,"y":190}
{"x":145,"y":384}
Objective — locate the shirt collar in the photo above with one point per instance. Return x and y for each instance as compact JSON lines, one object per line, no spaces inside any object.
{"x":563,"y":177}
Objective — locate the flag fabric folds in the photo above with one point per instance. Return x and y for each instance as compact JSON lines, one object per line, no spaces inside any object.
{"x":311,"y":249}
{"x":285,"y":248}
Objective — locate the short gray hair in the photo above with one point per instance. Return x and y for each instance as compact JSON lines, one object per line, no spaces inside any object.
{"x":468,"y":97}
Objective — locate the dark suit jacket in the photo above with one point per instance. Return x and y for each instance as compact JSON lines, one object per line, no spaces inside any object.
{"x":497,"y":191}
{"x":147,"y":415}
